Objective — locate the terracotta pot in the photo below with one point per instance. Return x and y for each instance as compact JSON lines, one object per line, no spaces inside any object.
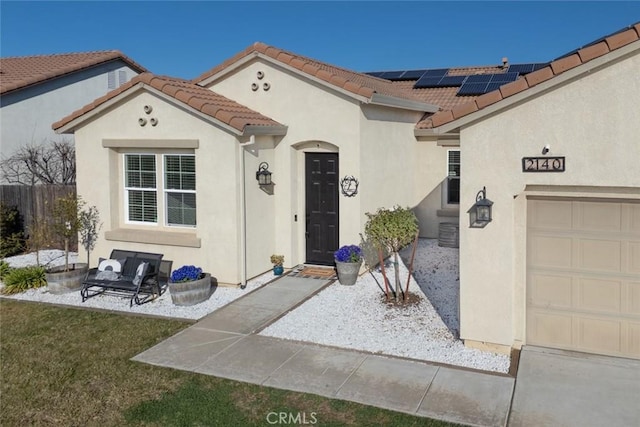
{"x":191,"y":293}
{"x":62,"y":282}
{"x":348,"y":272}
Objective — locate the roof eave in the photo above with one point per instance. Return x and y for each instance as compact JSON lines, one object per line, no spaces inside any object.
{"x":230,"y":68}
{"x":272,"y":130}
{"x":257,"y":55}
{"x":247,"y":129}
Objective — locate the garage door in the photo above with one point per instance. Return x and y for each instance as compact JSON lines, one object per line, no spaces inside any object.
{"x":583,"y":276}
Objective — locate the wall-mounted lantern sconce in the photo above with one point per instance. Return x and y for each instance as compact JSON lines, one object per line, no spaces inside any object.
{"x":263,"y":175}
{"x":480,"y":212}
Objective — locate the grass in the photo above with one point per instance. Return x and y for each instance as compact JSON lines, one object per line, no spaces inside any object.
{"x":72,"y":367}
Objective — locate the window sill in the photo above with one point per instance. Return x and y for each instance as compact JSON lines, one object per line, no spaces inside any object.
{"x":448,"y":212}
{"x":154,"y":237}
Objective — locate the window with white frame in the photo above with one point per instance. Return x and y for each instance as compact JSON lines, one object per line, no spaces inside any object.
{"x":176,"y":191}
{"x":140,"y":188}
{"x":453,"y":177}
{"x":180,"y":189}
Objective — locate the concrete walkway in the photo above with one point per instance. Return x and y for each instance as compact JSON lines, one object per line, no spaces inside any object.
{"x":564,"y":388}
{"x":223,"y":344}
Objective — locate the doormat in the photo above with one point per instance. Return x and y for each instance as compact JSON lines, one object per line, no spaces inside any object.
{"x":314,"y":272}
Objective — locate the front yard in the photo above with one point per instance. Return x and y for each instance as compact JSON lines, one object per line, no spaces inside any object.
{"x":71,"y":367}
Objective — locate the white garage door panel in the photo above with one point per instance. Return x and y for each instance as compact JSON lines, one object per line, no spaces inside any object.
{"x":583,"y":266}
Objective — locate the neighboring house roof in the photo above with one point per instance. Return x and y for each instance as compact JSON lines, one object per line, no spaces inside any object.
{"x":203,"y":100}
{"x":359,"y":84}
{"x":20,"y":72}
{"x":555,"y":68}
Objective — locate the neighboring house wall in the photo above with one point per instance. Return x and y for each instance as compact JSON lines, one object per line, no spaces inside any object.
{"x":26,"y":115}
{"x":214,"y":243}
{"x":593,"y":122}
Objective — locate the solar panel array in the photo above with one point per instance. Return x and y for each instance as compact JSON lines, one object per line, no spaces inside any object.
{"x":471,"y":84}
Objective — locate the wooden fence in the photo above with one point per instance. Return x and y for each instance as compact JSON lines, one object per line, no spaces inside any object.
{"x":33,"y":201}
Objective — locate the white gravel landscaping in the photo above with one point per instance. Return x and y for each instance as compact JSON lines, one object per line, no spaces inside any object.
{"x":161,"y":306}
{"x":356,"y":317}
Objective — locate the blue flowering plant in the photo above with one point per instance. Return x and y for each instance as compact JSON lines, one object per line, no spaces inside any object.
{"x":348,"y":253}
{"x":186,"y":273}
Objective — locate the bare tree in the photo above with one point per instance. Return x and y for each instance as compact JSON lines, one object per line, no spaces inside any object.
{"x":46,"y":163}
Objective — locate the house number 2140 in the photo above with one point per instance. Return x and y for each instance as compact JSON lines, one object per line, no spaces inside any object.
{"x":543,"y":164}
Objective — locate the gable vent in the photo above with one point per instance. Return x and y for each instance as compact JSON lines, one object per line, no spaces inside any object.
{"x":111,"y":80}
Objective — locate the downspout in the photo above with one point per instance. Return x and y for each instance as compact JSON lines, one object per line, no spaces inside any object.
{"x":243,"y":214}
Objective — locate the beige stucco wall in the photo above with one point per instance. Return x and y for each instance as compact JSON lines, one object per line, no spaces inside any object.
{"x":593,"y":122}
{"x":100,"y":183}
{"x":375,"y":144}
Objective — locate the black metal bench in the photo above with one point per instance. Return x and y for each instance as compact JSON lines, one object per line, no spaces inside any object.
{"x":150,"y":286}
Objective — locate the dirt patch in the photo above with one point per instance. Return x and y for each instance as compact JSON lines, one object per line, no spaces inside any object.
{"x":410,"y":300}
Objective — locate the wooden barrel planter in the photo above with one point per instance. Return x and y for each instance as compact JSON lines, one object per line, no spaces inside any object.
{"x":62,"y":282}
{"x":191,"y":293}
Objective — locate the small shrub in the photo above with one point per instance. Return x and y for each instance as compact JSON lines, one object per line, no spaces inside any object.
{"x":11,"y":231}
{"x":20,"y":279}
{"x":4,"y":269}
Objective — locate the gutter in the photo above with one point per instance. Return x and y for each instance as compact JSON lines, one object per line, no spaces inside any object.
{"x":243,"y":214}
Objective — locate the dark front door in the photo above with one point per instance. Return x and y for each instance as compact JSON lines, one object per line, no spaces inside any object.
{"x":321,"y":189}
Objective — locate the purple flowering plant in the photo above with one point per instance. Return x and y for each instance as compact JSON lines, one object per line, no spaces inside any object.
{"x":186,"y":273}
{"x":348,"y":253}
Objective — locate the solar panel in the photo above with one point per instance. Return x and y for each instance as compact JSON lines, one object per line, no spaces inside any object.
{"x":493,"y":86}
{"x":413,"y":74}
{"x":436,"y":72}
{"x":473,"y":89}
{"x":479,"y":78}
{"x":426,"y":81}
{"x":521,"y":68}
{"x":504,"y":78}
{"x":375,"y":73}
{"x":392,"y":75}
{"x":448,"y":81}
{"x":526,"y":68}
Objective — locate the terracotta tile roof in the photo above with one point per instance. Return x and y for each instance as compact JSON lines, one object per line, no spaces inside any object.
{"x":357,"y":83}
{"x":201,"y":99}
{"x":19,"y":72}
{"x":558,"y":66}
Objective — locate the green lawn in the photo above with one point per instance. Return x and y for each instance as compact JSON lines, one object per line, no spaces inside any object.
{"x":71,"y":367}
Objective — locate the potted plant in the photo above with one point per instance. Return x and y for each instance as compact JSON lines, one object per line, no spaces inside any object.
{"x":188,"y":285}
{"x":68,"y":220}
{"x":277,"y":261}
{"x":348,"y":262}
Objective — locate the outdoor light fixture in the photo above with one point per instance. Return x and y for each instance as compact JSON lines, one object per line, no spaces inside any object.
{"x":480,"y":212}
{"x":263,"y":175}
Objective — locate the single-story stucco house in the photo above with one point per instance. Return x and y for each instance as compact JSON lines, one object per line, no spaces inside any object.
{"x":172,"y":166}
{"x":37,"y":90}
